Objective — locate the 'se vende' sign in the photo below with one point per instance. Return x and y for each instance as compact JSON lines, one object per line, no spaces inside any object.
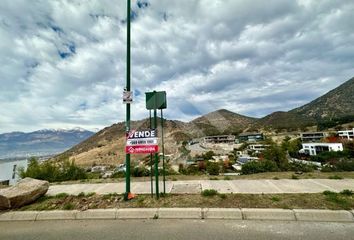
{"x":144,"y":141}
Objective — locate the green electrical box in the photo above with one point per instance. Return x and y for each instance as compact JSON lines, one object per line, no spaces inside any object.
{"x":156,"y":100}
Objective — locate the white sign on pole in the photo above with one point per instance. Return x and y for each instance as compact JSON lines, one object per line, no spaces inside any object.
{"x":127,"y":97}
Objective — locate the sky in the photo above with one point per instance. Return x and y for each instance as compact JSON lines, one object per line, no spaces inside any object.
{"x":63,"y":62}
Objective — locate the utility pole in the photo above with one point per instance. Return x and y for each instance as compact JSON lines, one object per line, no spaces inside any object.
{"x":127,"y":122}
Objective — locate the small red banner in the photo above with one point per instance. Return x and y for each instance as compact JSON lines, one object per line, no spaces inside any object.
{"x":137,"y":149}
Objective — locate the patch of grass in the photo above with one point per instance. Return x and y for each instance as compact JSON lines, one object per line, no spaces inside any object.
{"x":61,"y":195}
{"x":209,"y":192}
{"x":68,"y":206}
{"x":275,"y":199}
{"x":227,"y":178}
{"x":337,"y":199}
{"x":335,"y":177}
{"x":90,"y":194}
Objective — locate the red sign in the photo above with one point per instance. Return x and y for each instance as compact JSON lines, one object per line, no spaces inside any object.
{"x":136,"y":149}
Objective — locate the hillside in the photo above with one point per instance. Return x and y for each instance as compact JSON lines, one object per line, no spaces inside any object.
{"x":284,"y":120}
{"x":106,"y":146}
{"x":338,"y":102}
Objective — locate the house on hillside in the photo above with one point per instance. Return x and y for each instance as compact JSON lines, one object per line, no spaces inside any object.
{"x":312,"y":136}
{"x":313,"y":149}
{"x":220,"y":139}
{"x":257,"y":148}
{"x":346,"y":134}
{"x":250,"y":137}
{"x":9,"y":170}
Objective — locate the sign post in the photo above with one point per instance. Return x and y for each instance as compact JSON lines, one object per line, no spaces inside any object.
{"x":154,"y":101}
{"x":127,"y":194}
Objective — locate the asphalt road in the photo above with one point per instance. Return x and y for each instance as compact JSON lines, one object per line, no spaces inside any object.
{"x":173,"y":230}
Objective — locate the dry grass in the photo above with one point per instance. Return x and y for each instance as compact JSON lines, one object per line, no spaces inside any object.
{"x":285,"y":201}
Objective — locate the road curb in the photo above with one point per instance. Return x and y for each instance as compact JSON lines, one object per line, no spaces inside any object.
{"x":268,"y":214}
{"x":323,"y":215}
{"x":308,"y":215}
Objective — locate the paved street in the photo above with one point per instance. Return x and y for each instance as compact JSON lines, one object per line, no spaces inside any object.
{"x":174,"y":229}
{"x":222,"y":186}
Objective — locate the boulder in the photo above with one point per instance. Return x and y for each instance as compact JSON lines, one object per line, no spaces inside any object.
{"x":24,"y":192}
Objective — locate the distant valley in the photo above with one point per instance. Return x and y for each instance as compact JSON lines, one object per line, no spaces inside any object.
{"x":40,"y":143}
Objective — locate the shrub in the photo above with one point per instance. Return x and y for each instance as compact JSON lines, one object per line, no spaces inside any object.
{"x":140,"y":172}
{"x":347,"y":192}
{"x":209,"y":192}
{"x":213,"y":168}
{"x":335,"y":177}
{"x":53,"y":171}
{"x":294,"y":177}
{"x":258,"y":167}
{"x":223,"y":196}
{"x":68,"y":206}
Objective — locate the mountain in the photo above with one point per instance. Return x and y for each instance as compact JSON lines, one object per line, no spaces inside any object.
{"x":41,"y":142}
{"x":222,"y":121}
{"x":338,"y":102}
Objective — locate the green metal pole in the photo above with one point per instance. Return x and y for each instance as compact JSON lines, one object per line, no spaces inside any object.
{"x":151,"y":174}
{"x":127,"y":122}
{"x":163,"y":155}
{"x":156,"y":161}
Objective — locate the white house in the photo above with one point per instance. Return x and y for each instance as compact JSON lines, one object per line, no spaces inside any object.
{"x":9,"y":170}
{"x":315,"y":148}
{"x":348,"y":134}
{"x":257,"y":147}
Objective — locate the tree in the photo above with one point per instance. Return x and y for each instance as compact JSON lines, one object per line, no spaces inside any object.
{"x":276,"y":154}
{"x":213,"y":168}
{"x":208,"y":155}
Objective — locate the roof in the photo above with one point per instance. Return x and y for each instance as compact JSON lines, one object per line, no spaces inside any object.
{"x":249,"y":134}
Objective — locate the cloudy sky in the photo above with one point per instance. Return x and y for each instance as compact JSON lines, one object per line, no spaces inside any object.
{"x":62,"y":62}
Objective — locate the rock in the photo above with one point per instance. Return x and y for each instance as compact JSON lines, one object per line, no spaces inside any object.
{"x":4,"y":203}
{"x":24,"y":192}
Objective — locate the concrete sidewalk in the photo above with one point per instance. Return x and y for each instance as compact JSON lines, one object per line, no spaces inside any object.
{"x":222,"y":186}
{"x":184,"y":213}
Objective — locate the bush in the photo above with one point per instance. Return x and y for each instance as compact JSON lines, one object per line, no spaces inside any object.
{"x":347,"y":192}
{"x":53,"y":171}
{"x":294,"y":177}
{"x":209,"y":192}
{"x":213,"y":168}
{"x":140,"y":172}
{"x":258,"y":167}
{"x":335,"y":177}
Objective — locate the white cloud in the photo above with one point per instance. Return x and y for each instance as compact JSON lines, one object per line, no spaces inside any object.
{"x":63,"y":62}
